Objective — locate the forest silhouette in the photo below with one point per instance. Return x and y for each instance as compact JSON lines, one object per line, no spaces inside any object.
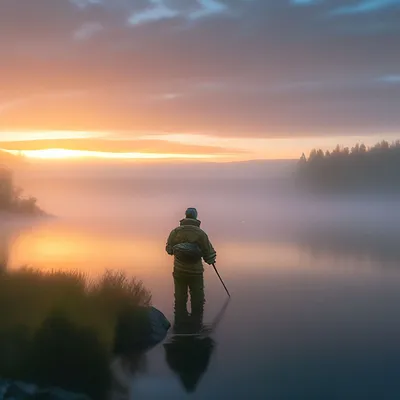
{"x":356,"y":169}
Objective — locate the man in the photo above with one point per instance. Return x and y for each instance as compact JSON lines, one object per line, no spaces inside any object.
{"x":189,"y":244}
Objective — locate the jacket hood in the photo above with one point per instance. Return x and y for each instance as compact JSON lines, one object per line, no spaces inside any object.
{"x":190,"y":221}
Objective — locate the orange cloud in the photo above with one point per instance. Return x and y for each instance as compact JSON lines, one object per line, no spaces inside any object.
{"x":117,"y":146}
{"x":63,"y":154}
{"x":27,"y":136}
{"x":196,"y":66}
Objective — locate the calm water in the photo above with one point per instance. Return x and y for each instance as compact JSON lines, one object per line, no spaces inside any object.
{"x":315,"y":285}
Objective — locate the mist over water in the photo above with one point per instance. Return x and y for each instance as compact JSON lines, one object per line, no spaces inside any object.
{"x":245,"y":202}
{"x":314,"y":280}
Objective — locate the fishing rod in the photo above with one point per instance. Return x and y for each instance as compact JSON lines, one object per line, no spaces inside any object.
{"x":219,"y":276}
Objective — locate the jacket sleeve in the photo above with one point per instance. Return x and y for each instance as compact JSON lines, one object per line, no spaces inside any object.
{"x":169,"y":245}
{"x":209,"y":253}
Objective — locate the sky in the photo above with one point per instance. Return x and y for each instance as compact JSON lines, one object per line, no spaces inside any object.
{"x":206,"y":79}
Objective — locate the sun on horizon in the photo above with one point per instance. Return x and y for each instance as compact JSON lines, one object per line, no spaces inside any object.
{"x":64,"y":154}
{"x":85,"y":146}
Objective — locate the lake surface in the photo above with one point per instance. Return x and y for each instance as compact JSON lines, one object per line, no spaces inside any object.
{"x":315,"y":284}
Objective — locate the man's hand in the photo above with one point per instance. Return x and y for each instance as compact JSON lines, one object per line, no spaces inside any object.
{"x":169,"y":250}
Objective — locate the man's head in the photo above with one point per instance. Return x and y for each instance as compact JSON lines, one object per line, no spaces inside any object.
{"x":191,"y":213}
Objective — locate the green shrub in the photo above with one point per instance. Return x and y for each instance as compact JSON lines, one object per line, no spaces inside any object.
{"x":58,"y":328}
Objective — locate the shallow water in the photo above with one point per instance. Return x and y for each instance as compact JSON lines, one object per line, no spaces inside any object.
{"x":315,"y":287}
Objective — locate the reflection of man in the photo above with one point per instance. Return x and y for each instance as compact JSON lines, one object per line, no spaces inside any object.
{"x":189,"y":244}
{"x":189,"y":351}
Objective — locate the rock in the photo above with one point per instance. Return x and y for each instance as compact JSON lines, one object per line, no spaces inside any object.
{"x":159,"y":325}
{"x":138,"y":329}
{"x":14,"y":390}
{"x":10,"y":390}
{"x":58,"y":394}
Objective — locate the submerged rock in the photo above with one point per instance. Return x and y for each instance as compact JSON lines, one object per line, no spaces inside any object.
{"x":159,"y":325}
{"x":58,"y":394}
{"x":139,"y":329}
{"x":14,"y":390}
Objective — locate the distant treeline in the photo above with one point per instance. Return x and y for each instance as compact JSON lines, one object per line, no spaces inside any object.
{"x":352,"y":169}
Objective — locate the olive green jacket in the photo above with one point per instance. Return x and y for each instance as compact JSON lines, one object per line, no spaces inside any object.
{"x":189,"y":231}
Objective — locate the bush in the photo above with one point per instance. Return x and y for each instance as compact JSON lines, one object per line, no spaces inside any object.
{"x":58,"y":328}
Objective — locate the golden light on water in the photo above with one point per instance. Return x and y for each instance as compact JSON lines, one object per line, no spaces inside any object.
{"x":77,"y":248}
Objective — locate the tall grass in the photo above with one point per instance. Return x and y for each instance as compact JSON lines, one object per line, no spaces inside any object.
{"x":58,"y":328}
{"x":28,"y":296}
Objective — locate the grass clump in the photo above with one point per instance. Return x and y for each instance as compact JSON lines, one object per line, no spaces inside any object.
{"x":58,"y":328}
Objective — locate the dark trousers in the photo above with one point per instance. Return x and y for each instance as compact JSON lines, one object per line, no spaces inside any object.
{"x":193,"y":283}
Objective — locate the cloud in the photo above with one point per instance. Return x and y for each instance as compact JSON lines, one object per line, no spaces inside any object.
{"x":367,"y":6}
{"x":393,"y":79}
{"x":98,"y":145}
{"x":229,"y":68}
{"x":87,"y":30}
{"x":208,"y":7}
{"x":85,"y":3}
{"x":157,"y":11}
{"x":304,"y":2}
{"x":20,"y":137}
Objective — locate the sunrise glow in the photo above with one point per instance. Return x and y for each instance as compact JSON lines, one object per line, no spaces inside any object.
{"x":22,"y":136}
{"x":165,"y":147}
{"x":62,"y":154}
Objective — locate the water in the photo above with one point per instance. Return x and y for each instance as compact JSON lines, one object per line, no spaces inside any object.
{"x":314,"y":284}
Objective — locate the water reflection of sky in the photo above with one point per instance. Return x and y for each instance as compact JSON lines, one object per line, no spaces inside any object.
{"x":91,"y":249}
{"x":313,"y":312}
